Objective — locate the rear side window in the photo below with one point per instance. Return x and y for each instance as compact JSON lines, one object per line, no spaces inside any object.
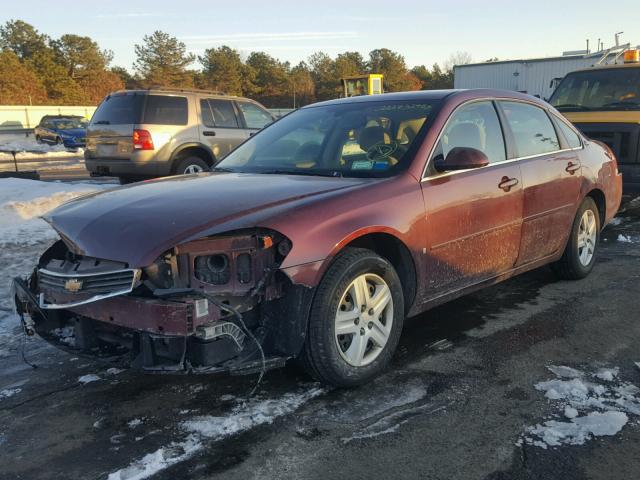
{"x":118,"y":110}
{"x":218,"y":113}
{"x":572,"y":137}
{"x":474,"y":125}
{"x":165,"y":110}
{"x":254,"y":116}
{"x":532,"y":129}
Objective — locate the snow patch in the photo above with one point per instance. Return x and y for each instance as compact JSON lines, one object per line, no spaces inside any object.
{"x":625,"y":238}
{"x":159,"y":460}
{"x":23,"y":201}
{"x":554,"y":433}
{"x":246,"y":415}
{"x":607,"y":374}
{"x":615,"y":221}
{"x":84,"y":379}
{"x":114,"y":371}
{"x":9,"y":392}
{"x":588,"y":409}
{"x":136,"y":422}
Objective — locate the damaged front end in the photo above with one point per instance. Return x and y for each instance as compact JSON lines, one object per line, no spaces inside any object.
{"x":204,"y":306}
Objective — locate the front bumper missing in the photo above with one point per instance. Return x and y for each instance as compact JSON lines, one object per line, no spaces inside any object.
{"x":151,"y":334}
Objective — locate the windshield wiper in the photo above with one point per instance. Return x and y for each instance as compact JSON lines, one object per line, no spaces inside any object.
{"x":295,"y":171}
{"x":102,"y":122}
{"x":622,"y":105}
{"x":566,"y":106}
{"x":221,"y":169}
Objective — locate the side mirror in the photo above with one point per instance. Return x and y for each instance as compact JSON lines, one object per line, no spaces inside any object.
{"x":461,"y":158}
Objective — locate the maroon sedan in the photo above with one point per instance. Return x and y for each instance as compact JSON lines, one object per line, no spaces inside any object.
{"x":320,"y":234}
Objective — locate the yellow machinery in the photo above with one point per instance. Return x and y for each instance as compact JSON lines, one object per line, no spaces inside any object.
{"x":370,"y":84}
{"x":604,"y":103}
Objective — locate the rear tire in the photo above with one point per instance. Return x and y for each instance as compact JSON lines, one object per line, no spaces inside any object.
{"x":58,"y":141}
{"x":190,"y":165}
{"x":580,"y":253}
{"x":361,"y":295}
{"x":38,"y":139}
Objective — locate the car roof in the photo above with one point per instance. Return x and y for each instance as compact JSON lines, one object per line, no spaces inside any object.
{"x":426,"y":95}
{"x":179,"y":91}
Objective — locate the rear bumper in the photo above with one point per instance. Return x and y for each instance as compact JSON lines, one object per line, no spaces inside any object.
{"x":118,"y":167}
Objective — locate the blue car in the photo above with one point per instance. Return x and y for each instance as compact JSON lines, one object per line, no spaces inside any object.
{"x":68,"y":131}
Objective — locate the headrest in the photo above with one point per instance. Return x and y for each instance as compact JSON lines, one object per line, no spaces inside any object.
{"x":465,"y":134}
{"x":369,"y":136}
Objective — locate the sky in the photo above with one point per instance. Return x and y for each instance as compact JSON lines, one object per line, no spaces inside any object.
{"x":424,"y":31}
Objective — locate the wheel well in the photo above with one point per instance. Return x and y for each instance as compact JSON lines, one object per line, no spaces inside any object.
{"x":396,"y":252}
{"x":192,"y":152}
{"x":601,"y":203}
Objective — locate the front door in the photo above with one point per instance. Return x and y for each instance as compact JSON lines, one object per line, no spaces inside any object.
{"x":220,"y":127}
{"x":550,"y":177}
{"x":474,"y":216}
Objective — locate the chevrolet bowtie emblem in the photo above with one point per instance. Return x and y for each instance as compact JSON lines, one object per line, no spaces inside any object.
{"x":73,"y":285}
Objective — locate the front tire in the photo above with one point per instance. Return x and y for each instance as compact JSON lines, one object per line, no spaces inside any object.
{"x":356,"y":320}
{"x":580,"y":253}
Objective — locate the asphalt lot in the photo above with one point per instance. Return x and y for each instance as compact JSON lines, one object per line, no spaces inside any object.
{"x":455,"y":405}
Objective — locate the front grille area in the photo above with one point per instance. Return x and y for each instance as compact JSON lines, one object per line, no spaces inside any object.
{"x":98,"y":283}
{"x":622,"y":138}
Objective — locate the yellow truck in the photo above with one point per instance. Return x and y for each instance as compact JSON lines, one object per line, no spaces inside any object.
{"x":604,"y":103}
{"x":369,"y":84}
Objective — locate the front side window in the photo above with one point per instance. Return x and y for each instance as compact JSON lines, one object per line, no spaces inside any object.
{"x":474,"y":125}
{"x":365,"y":139}
{"x":532,"y":129}
{"x":218,"y":113}
{"x":165,"y":110}
{"x":254,"y":116}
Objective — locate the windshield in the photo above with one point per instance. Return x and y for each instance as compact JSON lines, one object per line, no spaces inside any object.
{"x":69,"y":123}
{"x":369,"y":139}
{"x":603,"y":89}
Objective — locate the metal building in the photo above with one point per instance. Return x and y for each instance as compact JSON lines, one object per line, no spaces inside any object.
{"x":536,"y":76}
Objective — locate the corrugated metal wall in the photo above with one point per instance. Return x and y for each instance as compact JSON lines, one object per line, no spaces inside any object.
{"x":532,"y":77}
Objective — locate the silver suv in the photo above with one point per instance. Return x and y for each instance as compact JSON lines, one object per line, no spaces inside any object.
{"x":137,"y":134}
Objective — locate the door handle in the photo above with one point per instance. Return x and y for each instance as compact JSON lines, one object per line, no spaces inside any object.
{"x":572,"y":167}
{"x":209,"y":133}
{"x":506,"y":183}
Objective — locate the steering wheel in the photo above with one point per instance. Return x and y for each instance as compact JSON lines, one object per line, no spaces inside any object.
{"x":381,"y":150}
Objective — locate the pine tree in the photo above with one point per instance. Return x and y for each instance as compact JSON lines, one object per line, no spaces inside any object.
{"x":19,"y":84}
{"x":223,"y":70}
{"x":162,"y":61}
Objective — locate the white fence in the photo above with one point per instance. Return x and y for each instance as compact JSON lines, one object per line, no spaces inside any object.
{"x":23,"y":117}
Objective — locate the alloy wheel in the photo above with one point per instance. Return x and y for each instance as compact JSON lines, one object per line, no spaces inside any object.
{"x":363,"y":320}
{"x":193,"y":169}
{"x":587,"y":237}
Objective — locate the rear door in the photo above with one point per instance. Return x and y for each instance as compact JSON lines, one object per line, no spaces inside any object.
{"x":254,"y":116}
{"x":110,"y":131}
{"x":551,"y":180}
{"x":474,"y":216}
{"x":220,"y":127}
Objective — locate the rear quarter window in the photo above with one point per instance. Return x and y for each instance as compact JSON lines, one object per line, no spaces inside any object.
{"x":118,"y":110}
{"x":572,"y":137}
{"x":165,"y":110}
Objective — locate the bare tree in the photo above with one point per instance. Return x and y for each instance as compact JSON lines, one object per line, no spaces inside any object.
{"x":457,"y":58}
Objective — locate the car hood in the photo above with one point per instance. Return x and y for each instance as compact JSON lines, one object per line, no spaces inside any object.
{"x":137,"y":223}
{"x":74,"y":132}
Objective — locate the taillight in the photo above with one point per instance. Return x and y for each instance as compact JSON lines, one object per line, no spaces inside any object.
{"x":142,"y":140}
